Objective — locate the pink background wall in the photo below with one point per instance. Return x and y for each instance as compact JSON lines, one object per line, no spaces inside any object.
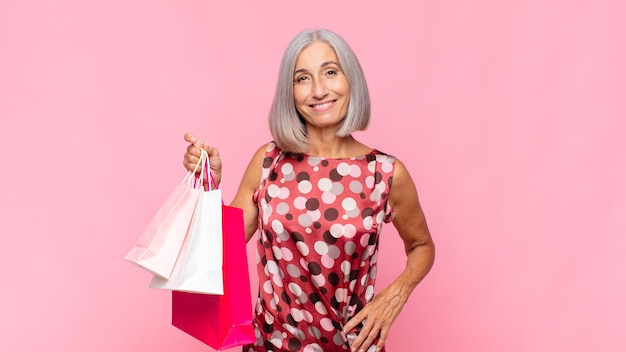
{"x":509,"y":114}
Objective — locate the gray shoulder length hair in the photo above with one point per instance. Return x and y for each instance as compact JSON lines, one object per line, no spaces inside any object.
{"x":286,"y":126}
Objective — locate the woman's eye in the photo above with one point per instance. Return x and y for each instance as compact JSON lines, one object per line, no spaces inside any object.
{"x":331,"y":72}
{"x":301,"y":79}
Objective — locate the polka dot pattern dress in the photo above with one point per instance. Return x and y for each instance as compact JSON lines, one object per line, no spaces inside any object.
{"x":319,"y":224}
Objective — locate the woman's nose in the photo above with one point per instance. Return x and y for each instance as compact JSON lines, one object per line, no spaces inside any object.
{"x":320,"y":90}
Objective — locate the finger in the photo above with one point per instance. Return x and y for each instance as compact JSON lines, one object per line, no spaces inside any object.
{"x":359,"y":343}
{"x":371,"y":336}
{"x":355,"y":320}
{"x":384,"y":332}
{"x":213,"y":152}
{"x":192,"y":157}
{"x":196,"y":141}
{"x":194,"y":151}
{"x":199,"y":143}
{"x":189,"y":137}
{"x":367,"y":335}
{"x":190,"y":164}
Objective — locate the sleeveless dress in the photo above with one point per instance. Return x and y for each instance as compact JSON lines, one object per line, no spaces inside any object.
{"x":319,"y":225}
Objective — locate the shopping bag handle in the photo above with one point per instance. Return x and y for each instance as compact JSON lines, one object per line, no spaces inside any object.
{"x":205,"y":173}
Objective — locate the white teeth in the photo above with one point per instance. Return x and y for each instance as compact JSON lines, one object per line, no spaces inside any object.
{"x":321,"y":106}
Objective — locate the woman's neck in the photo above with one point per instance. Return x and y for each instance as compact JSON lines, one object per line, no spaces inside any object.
{"x":335,"y":146}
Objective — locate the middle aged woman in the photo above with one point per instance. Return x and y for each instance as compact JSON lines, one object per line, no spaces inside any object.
{"x":317,"y":198}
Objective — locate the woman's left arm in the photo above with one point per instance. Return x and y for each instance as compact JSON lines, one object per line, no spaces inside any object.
{"x":378,"y":315}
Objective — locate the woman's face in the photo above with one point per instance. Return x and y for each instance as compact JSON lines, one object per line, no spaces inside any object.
{"x":320,"y":90}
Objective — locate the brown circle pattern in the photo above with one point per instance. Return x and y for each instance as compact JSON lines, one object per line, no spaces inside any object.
{"x":320,"y":221}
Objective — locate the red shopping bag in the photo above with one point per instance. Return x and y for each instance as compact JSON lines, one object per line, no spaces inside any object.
{"x":221,"y":321}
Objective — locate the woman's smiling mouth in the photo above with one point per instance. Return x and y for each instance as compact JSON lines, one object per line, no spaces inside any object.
{"x":322,"y":106}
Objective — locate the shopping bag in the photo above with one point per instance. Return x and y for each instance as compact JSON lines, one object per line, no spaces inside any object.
{"x":221,"y":321}
{"x":158,"y":247}
{"x":199,"y":265}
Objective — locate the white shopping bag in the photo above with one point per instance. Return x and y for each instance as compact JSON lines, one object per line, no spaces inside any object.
{"x":159,"y":246}
{"x":198,"y":268}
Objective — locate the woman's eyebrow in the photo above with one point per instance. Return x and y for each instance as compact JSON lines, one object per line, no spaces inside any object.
{"x":324,"y":64}
{"x":329,"y":63}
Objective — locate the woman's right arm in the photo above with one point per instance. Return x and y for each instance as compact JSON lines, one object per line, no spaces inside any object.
{"x":244,"y":197}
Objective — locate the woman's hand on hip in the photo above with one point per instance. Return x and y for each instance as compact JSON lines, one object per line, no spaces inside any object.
{"x":377,"y":317}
